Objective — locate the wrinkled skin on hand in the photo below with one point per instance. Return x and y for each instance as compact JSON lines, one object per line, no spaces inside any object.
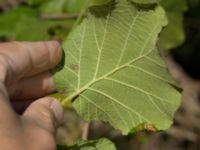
{"x":25,"y":75}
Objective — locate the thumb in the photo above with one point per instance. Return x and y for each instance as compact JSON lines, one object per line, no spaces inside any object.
{"x":47,"y":113}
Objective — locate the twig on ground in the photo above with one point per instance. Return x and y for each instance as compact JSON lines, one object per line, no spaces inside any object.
{"x":85,"y":131}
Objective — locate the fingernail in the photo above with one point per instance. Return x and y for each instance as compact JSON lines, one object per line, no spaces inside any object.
{"x":57,"y":110}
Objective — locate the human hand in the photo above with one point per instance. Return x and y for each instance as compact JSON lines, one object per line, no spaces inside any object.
{"x":24,"y":74}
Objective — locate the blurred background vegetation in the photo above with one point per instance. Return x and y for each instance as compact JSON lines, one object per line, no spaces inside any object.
{"x":35,"y":20}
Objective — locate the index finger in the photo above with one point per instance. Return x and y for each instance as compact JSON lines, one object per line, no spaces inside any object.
{"x":23,"y":59}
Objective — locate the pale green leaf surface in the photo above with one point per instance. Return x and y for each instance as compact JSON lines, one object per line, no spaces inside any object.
{"x":114,"y":73}
{"x":101,"y":144}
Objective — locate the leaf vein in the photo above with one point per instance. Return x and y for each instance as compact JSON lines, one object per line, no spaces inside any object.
{"x":127,"y":38}
{"x":121,"y":104}
{"x":139,"y":89}
{"x":150,"y":74}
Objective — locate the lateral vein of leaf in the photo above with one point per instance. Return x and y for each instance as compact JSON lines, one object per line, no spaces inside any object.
{"x":153,"y":61}
{"x":100,"y":49}
{"x":149,"y":73}
{"x":127,"y":38}
{"x":150,"y":35}
{"x":107,"y":114}
{"x":115,"y":109}
{"x":72,"y":56}
{"x":157,"y":107}
{"x":95,"y":36}
{"x":139,"y":89}
{"x":76,"y":46}
{"x":90,"y":101}
{"x":121,"y":104}
{"x":80,"y":55}
{"x":132,"y":120}
{"x":68,"y":68}
{"x":121,"y":32}
{"x":122,"y":23}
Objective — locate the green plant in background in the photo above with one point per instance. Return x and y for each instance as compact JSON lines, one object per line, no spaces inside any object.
{"x":173,"y":35}
{"x":112,"y":70}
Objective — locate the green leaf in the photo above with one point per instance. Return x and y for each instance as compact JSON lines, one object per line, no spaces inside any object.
{"x":114,"y":73}
{"x":24,"y":24}
{"x":175,"y":26}
{"x":9,"y":20}
{"x":102,"y":144}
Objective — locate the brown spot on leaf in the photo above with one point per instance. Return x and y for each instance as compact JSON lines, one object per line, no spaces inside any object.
{"x":145,"y":126}
{"x":150,"y":127}
{"x":74,"y":67}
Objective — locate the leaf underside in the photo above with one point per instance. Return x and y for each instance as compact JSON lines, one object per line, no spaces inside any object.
{"x":113,"y":72}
